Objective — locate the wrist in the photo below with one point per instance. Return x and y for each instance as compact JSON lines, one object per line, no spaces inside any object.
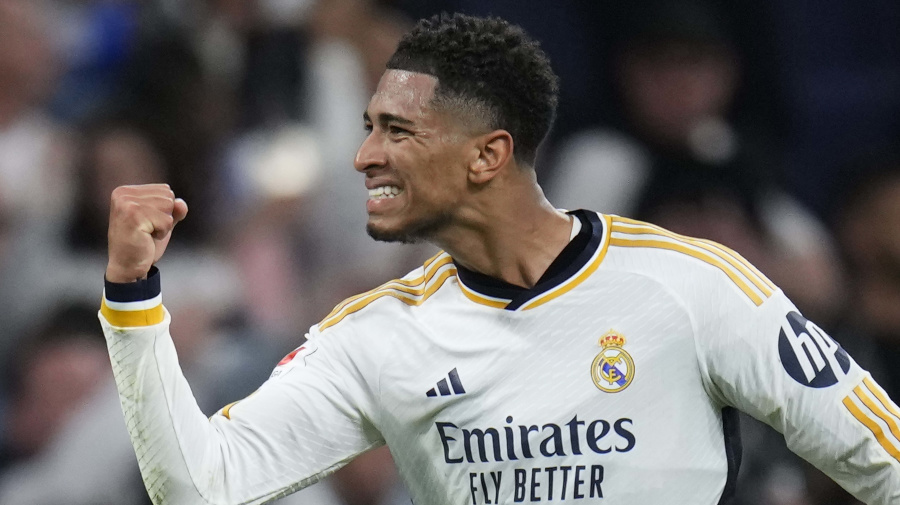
{"x":135,"y":303}
{"x":121,"y":275}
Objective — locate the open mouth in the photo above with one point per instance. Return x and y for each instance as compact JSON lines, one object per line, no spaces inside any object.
{"x":382,"y":192}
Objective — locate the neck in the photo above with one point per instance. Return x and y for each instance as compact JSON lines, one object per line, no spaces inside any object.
{"x":512,"y":239}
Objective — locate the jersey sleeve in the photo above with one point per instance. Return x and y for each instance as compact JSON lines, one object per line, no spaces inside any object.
{"x":769,"y":361}
{"x":311,"y":417}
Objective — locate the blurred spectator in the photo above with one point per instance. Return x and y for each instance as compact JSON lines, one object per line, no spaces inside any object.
{"x":296,"y":174}
{"x":113,"y":155}
{"x":838,"y":65}
{"x":346,"y":59}
{"x":35,"y":155}
{"x":869,"y":234}
{"x":680,"y":162}
{"x":275,"y":174}
{"x":34,"y":170}
{"x":50,"y":375}
{"x":59,"y":443}
{"x":166,"y":94}
{"x":94,"y":41}
{"x":64,"y":439}
{"x":370,"y":480}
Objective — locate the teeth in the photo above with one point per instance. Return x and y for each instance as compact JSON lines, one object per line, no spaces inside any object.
{"x":384,"y":192}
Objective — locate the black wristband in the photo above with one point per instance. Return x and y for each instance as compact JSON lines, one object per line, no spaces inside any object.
{"x":140,"y":290}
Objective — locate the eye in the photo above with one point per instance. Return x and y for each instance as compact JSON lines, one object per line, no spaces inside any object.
{"x":396,"y":130}
{"x":368,"y":127}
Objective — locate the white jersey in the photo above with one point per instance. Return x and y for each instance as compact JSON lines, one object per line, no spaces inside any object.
{"x":612,"y":381}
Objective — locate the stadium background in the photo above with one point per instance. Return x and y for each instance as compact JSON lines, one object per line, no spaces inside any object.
{"x":771,"y":126}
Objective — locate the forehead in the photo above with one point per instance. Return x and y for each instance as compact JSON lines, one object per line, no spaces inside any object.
{"x":403,"y":93}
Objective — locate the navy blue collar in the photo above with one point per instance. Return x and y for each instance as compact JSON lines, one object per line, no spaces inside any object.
{"x":569,"y":261}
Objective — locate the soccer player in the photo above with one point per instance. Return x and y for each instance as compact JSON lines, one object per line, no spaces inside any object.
{"x":544,"y":355}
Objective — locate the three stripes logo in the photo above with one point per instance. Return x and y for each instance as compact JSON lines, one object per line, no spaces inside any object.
{"x":870,"y":405}
{"x":443,"y":388}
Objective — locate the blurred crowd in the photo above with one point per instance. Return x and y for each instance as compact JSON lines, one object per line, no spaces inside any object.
{"x":772,"y":127}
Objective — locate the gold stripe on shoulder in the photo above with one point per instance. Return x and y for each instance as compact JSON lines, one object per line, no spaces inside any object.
{"x":634,"y":227}
{"x":436,"y":262}
{"x":871,"y":425}
{"x":410,"y":295}
{"x":722,"y":251}
{"x":434,"y":258}
{"x":592,"y":267}
{"x":660,"y":244}
{"x":132,"y":318}
{"x":736,"y":268}
{"x":731,"y":253}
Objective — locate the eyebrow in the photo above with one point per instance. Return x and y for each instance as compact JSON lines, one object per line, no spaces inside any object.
{"x":385,"y":118}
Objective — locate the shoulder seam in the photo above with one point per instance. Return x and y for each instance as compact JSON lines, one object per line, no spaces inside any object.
{"x":632,"y":233}
{"x":412,"y":292}
{"x":402,"y":282}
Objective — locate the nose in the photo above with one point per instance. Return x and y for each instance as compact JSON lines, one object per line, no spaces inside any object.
{"x":370,"y":154}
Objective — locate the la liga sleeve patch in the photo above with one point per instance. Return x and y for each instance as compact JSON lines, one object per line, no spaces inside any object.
{"x":295,"y":358}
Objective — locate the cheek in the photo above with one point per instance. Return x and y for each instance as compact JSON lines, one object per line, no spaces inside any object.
{"x":438,"y":186}
{"x":447,"y":171}
{"x":435,"y":174}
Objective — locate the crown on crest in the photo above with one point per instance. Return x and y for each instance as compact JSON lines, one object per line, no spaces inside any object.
{"x":612,"y":338}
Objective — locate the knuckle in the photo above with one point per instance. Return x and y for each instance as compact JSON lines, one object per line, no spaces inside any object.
{"x":127,"y":209}
{"x":118,"y":193}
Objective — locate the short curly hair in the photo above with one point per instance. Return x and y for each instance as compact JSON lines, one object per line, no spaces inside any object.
{"x":488,"y":68}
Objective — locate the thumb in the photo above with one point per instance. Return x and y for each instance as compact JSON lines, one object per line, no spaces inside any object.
{"x":180,"y":210}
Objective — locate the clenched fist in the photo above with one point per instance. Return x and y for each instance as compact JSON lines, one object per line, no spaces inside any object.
{"x":141,"y":219}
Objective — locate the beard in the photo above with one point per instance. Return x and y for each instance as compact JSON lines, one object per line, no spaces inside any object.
{"x":413,"y":233}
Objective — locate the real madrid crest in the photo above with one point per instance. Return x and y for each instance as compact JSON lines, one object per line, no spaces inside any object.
{"x":612,"y":369}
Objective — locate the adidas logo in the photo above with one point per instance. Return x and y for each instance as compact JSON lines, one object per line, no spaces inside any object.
{"x":444,"y":389}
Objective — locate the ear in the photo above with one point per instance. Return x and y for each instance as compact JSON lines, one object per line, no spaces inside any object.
{"x":494,"y":151}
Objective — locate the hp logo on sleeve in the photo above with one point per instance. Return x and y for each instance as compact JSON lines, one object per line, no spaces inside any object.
{"x":809,"y":355}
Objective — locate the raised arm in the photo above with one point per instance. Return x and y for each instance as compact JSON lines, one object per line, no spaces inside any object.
{"x":306,"y":421}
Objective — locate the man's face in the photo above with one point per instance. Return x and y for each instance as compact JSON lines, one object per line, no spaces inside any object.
{"x":414,"y":158}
